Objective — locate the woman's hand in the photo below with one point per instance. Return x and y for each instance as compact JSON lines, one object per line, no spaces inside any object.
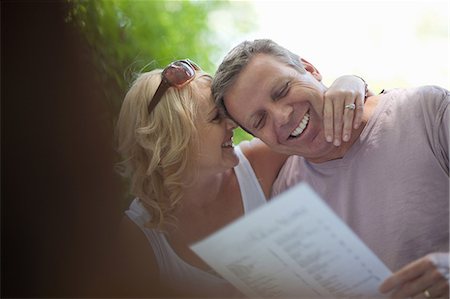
{"x":427,"y":277}
{"x":347,"y":91}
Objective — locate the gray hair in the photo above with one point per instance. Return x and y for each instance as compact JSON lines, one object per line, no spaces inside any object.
{"x":239,"y":57}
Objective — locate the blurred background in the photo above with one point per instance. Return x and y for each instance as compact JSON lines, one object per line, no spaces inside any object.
{"x":390,"y":43}
{"x":66,"y":66}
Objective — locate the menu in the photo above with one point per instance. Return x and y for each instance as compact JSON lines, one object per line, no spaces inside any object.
{"x":294,"y":246}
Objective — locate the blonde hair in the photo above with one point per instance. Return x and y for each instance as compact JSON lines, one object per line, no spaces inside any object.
{"x":157,"y":148}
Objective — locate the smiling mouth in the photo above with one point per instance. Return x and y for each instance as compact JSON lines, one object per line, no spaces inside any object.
{"x":301,"y":127}
{"x":228,"y":144}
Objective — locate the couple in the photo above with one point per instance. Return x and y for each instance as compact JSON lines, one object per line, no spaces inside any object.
{"x":388,"y":179}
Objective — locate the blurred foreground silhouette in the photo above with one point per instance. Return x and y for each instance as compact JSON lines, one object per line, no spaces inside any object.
{"x":61,"y":200}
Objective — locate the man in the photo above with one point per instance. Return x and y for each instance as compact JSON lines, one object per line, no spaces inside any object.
{"x":389,"y":182}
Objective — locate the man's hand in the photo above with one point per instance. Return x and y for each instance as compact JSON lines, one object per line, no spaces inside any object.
{"x":427,"y":277}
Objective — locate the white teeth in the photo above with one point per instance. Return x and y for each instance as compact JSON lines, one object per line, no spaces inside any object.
{"x":228,"y":144}
{"x":301,"y":126}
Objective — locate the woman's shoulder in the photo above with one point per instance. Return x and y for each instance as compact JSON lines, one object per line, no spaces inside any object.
{"x":138,"y":213}
{"x":265,"y":162}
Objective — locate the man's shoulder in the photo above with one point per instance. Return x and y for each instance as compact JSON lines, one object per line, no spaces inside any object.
{"x":420,"y":91}
{"x":431,"y":96}
{"x":431,"y":90}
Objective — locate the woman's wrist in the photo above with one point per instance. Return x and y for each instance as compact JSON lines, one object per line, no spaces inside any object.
{"x":366,"y":87}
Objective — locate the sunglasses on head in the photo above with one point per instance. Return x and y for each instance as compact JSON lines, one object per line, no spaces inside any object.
{"x":177,"y":74}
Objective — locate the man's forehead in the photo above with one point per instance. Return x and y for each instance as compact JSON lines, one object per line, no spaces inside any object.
{"x":274,"y":67}
{"x":263,"y":60}
{"x":259,"y":77}
{"x":262,"y":70}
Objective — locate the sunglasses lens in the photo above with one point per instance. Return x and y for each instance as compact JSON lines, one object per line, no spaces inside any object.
{"x":179,"y":73}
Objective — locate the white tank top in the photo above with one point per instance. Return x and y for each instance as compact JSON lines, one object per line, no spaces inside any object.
{"x":177,"y":274}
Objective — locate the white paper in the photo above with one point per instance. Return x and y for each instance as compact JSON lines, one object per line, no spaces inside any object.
{"x":294,"y":246}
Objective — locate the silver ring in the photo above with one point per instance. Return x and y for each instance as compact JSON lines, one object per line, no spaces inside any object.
{"x":350,"y":106}
{"x":427,"y":294}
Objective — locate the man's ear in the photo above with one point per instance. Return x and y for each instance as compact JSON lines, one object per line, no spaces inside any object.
{"x":311,"y":69}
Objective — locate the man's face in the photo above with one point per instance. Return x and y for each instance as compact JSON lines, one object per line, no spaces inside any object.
{"x":281,"y":106}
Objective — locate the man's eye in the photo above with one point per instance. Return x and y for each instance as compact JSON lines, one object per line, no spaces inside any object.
{"x":283,"y":91}
{"x":260,"y":122}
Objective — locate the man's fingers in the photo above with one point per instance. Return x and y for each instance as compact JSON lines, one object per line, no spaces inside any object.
{"x":419,"y":285}
{"x":407,"y":273}
{"x":439,"y":289}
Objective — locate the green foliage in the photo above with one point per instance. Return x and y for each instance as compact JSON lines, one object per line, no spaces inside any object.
{"x":129,"y":36}
{"x":240,"y":135}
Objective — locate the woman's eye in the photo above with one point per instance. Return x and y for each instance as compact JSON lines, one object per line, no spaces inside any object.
{"x":217,"y":117}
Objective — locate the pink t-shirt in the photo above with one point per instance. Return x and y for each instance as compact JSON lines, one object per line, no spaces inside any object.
{"x":392,"y":186}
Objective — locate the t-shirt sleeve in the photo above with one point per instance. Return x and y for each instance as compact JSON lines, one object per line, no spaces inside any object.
{"x":444,"y":128}
{"x":439,"y":112}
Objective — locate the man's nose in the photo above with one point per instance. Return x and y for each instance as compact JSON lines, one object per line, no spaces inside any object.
{"x":281,"y":114}
{"x":230,"y":124}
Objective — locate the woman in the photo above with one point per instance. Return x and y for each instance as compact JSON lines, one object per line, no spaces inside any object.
{"x":188,"y":179}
